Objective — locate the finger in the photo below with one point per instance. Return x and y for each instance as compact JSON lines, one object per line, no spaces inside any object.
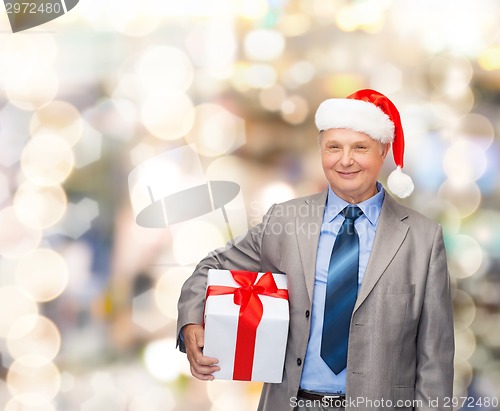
{"x":200,"y":338}
{"x":201,"y":376}
{"x":205,"y":369}
{"x":200,"y":359}
{"x":195,"y":354}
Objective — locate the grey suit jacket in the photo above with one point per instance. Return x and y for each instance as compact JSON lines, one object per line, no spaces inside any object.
{"x":401,"y":343}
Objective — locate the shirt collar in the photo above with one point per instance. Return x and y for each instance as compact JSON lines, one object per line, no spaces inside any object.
{"x":371,"y":208}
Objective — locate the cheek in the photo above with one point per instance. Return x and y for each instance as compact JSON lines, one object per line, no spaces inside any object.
{"x":328,"y":161}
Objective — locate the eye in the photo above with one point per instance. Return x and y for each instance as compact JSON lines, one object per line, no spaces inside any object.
{"x":333,"y":147}
{"x":361,"y":147}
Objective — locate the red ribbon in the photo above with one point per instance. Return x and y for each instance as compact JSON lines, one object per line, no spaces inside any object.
{"x":251,"y":310}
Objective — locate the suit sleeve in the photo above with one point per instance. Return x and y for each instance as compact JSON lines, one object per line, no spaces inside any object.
{"x":243,"y":255}
{"x":435,"y":338}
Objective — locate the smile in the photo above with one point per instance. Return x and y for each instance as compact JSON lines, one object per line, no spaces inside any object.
{"x":347,"y":174}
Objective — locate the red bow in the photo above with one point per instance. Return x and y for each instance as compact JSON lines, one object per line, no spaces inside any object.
{"x":251,"y":310}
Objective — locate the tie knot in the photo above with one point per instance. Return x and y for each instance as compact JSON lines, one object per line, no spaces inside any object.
{"x":352,"y":212}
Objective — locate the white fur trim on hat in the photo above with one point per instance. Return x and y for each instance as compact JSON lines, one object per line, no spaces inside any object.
{"x":357,"y":115}
{"x":400,"y":184}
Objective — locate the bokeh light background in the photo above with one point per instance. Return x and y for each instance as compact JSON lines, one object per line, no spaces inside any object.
{"x":88,"y":297}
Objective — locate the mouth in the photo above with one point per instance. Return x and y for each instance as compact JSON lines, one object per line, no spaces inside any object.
{"x":347,"y":174}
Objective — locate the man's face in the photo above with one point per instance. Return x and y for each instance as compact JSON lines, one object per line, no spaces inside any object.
{"x":351,"y":161}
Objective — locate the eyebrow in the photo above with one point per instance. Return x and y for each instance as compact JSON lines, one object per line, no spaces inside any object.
{"x":354,"y":143}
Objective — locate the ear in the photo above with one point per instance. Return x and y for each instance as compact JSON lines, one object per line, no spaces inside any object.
{"x":385,"y":149}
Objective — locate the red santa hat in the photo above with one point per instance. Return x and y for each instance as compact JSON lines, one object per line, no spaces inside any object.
{"x":372,"y":113}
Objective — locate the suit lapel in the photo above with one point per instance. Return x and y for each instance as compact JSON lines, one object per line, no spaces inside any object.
{"x":391,"y":232}
{"x":308,"y":229}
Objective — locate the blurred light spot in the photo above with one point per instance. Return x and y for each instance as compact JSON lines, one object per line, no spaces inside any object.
{"x":462,"y":378}
{"x":295,"y":24}
{"x":34,"y":335}
{"x":168,"y":117}
{"x":164,"y":68}
{"x":106,"y":395}
{"x":444,"y":212}
{"x":489,"y":59}
{"x":414,"y":20}
{"x":299,"y":74}
{"x":465,"y":344}
{"x":466,"y":253}
{"x":32,"y":91}
{"x":260,"y":76}
{"x":14,"y":133}
{"x":272,"y":98}
{"x":161,"y":352}
{"x":168,"y":288}
{"x":78,"y":218}
{"x":252,"y":9}
{"x":485,"y":228}
{"x":194,"y":239}
{"x":15,"y":304}
{"x":264,"y":45}
{"x":16,"y":239}
{"x":489,"y":333}
{"x":115,"y":118}
{"x":148,"y":185}
{"x":366,"y":15}
{"x":216,"y":131}
{"x":47,"y":160}
{"x":39,"y":207}
{"x":43,"y":273}
{"x":387,"y":77}
{"x":275,"y":193}
{"x":33,"y":379}
{"x":465,"y":198}
{"x":236,"y":209}
{"x":212,"y":45}
{"x":464,"y":310}
{"x":58,"y":117}
{"x":26,"y":53}
{"x":225,"y":398}
{"x":451,"y":107}
{"x":426,"y":171}
{"x":343,"y":84}
{"x":133,"y":18}
{"x":89,"y":147}
{"x":233,"y":166}
{"x":450,"y":74}
{"x":67,"y":382}
{"x":477,"y":128}
{"x":4,"y":188}
{"x":294,"y":110}
{"x":464,"y":162}
{"x":490,"y":180}
{"x":146,"y":314}
{"x":213,"y":9}
{"x":154,"y":399}
{"x":141,"y":152}
{"x":19,"y":404}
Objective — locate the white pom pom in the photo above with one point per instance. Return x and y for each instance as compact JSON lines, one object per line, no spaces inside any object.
{"x":400,"y":184}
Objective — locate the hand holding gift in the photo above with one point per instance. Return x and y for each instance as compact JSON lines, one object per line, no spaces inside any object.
{"x":246,"y":324}
{"x":201,"y":367}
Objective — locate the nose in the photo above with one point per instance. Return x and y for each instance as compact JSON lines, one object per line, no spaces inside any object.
{"x":346,"y":159}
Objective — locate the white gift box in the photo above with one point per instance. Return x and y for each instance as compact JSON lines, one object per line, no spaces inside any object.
{"x":223,"y":325}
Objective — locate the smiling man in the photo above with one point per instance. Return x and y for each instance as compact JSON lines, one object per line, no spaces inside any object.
{"x":371,"y":324}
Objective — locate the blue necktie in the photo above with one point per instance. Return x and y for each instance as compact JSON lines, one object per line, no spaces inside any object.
{"x":341,"y":292}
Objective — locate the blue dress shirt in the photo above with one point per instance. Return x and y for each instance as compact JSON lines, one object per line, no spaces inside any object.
{"x":316,"y":375}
